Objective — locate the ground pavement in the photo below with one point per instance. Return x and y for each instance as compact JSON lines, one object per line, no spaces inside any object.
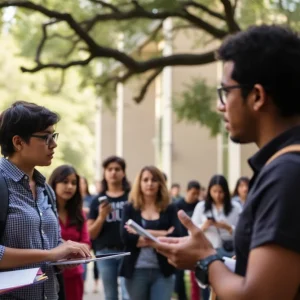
{"x":89,"y":286}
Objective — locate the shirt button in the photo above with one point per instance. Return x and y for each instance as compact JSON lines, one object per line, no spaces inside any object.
{"x":43,"y":232}
{"x":41,"y":214}
{"x":26,"y":177}
{"x":46,"y":297}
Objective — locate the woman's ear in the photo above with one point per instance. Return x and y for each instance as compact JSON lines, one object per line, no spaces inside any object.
{"x":17,"y":143}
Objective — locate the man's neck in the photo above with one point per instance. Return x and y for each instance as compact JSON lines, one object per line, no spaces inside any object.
{"x":190,"y":201}
{"x":271,"y":130}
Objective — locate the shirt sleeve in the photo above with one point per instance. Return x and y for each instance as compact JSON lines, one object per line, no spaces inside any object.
{"x":128,"y":239}
{"x":174,"y":222}
{"x":277,"y":215}
{"x":2,"y":250}
{"x":197,"y":216}
{"x":236,"y":211}
{"x":94,"y":212}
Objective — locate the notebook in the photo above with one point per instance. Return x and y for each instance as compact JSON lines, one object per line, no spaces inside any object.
{"x":12,"y":280}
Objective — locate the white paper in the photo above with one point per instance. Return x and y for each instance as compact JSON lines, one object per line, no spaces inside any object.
{"x":12,"y":279}
{"x":141,"y":231}
{"x":229,"y":263}
{"x":87,"y":260}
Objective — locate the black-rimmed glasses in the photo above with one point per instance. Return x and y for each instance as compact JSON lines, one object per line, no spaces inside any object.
{"x":48,"y":138}
{"x":224,"y":90}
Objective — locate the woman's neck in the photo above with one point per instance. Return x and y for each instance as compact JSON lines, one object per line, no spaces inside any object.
{"x":218,"y":205}
{"x":27,"y":169}
{"x":243,"y":199}
{"x":149,"y":202}
{"x":61,"y":204}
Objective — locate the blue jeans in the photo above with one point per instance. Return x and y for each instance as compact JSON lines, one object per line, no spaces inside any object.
{"x":149,"y":284}
{"x":109,"y":269}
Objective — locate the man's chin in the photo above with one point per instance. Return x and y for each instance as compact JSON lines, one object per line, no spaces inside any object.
{"x":239,"y":140}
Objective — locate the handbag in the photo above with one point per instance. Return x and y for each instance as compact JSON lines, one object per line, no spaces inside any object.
{"x":227,"y":245}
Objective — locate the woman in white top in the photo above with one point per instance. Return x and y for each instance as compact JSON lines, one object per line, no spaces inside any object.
{"x":218,"y":216}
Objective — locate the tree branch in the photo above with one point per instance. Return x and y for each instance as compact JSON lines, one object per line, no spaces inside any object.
{"x":58,"y":65}
{"x":204,"y":8}
{"x":141,"y":13}
{"x":107,"y":5}
{"x":144,"y":88}
{"x":43,"y":40}
{"x":235,"y":5}
{"x":214,"y":31}
{"x":151,"y":37}
{"x":229,"y":15}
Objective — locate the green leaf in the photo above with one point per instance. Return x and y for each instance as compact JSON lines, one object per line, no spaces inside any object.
{"x":197,"y":105}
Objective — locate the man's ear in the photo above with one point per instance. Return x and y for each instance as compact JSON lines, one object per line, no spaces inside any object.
{"x":259,"y":97}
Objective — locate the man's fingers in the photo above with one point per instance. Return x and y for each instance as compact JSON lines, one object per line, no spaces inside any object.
{"x":187,"y":222}
{"x":169,"y":240}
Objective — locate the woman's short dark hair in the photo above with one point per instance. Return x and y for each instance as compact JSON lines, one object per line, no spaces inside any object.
{"x":270,"y":56}
{"x":121,"y":162}
{"x":74,"y":205}
{"x":23,"y":119}
{"x":242,"y":179}
{"x":221,"y":181}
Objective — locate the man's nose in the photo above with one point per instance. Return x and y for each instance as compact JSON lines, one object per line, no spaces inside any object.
{"x":221,"y":107}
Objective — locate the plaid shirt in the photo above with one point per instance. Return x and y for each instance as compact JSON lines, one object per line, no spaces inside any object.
{"x":31,"y":224}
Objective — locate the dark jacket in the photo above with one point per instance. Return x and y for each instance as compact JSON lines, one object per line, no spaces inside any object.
{"x":167,"y":219}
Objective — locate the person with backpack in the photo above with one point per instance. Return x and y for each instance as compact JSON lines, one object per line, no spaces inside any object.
{"x":29,"y":228}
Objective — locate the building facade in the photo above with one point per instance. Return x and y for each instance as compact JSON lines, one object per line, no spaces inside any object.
{"x":149,"y":133}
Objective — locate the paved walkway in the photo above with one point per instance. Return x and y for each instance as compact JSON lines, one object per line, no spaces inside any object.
{"x":89,"y":286}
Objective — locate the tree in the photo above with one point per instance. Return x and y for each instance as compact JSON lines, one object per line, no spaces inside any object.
{"x":75,"y":143}
{"x":79,"y":33}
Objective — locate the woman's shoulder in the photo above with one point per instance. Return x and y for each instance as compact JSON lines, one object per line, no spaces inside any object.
{"x":171,"y":207}
{"x":236,"y":206}
{"x":200,"y":205}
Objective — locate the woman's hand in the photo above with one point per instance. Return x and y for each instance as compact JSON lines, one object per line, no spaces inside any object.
{"x":170,"y":230}
{"x":207,"y":224}
{"x":68,"y":250}
{"x":223,"y":225}
{"x":143,"y":242}
{"x":129,"y":229}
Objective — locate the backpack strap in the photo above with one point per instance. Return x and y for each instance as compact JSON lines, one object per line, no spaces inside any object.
{"x":51,"y":199}
{"x":291,"y":148}
{"x":4,"y":204}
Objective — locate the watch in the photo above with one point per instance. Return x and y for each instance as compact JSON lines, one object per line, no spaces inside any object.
{"x":201,"y":272}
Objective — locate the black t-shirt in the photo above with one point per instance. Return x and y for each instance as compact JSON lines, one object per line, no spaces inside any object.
{"x":188,"y":208}
{"x":109,"y":236}
{"x":272,"y":211}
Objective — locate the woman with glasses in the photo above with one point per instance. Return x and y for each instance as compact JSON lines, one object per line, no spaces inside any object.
{"x":31,"y":236}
